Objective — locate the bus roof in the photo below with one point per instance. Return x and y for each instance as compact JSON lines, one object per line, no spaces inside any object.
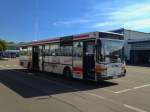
{"x":82,"y":36}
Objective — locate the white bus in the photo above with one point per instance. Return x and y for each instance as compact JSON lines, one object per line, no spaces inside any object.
{"x":92,"y":56}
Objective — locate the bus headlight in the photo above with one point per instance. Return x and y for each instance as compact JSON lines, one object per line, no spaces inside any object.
{"x":123,"y":69}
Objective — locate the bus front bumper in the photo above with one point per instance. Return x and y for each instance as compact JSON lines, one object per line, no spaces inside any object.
{"x":105,"y":77}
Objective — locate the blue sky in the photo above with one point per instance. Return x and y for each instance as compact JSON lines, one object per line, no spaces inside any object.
{"x":28,"y":20}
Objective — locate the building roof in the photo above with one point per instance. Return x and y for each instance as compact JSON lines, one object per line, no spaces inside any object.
{"x":123,"y":29}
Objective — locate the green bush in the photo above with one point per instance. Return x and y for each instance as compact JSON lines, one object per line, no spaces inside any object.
{"x":3,"y":45}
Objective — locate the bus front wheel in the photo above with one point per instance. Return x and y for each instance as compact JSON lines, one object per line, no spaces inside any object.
{"x":67,"y":72}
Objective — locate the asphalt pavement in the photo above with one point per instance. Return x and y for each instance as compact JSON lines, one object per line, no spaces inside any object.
{"x":25,"y":91}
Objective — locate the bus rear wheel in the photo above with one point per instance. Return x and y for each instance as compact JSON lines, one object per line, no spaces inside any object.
{"x":67,"y":73}
{"x":29,"y":66}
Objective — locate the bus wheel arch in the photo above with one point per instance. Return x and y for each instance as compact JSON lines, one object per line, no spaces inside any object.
{"x":67,"y":72}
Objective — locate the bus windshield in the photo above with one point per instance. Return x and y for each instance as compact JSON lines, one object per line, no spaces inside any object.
{"x":110,"y":50}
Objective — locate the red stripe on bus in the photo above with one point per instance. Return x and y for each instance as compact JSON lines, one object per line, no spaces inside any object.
{"x":56,"y":40}
{"x":78,"y":70}
{"x":44,"y":41}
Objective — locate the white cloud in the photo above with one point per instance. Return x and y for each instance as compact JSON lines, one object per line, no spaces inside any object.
{"x":138,"y":24}
{"x":135,"y":16}
{"x":131,"y":12}
{"x":101,"y":24}
{"x":72,"y":22}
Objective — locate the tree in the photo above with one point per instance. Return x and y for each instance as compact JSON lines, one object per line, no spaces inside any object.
{"x":3,"y":45}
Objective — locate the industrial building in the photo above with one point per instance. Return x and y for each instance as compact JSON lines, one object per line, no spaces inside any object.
{"x":137,"y":46}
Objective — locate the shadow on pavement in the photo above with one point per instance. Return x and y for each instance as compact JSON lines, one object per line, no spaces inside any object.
{"x":30,"y":85}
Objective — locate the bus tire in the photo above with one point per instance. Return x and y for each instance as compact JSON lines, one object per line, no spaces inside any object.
{"x":29,"y":66}
{"x":67,"y":72}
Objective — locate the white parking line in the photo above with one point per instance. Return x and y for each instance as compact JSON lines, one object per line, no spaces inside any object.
{"x":134,"y":88}
{"x":101,"y":97}
{"x":141,"y":86}
{"x":134,"y":108}
{"x":122,"y":91}
{"x":118,"y":103}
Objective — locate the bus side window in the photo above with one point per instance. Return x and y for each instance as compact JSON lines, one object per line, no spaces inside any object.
{"x":24,"y":51}
{"x":78,"y":49}
{"x":66,"y":50}
{"x":46,"y":50}
{"x":90,"y":48}
{"x":54,"y":50}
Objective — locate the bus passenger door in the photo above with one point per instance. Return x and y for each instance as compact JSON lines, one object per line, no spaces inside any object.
{"x":35,"y":58}
{"x":41,"y":57}
{"x":78,"y":60}
{"x":89,"y":60}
